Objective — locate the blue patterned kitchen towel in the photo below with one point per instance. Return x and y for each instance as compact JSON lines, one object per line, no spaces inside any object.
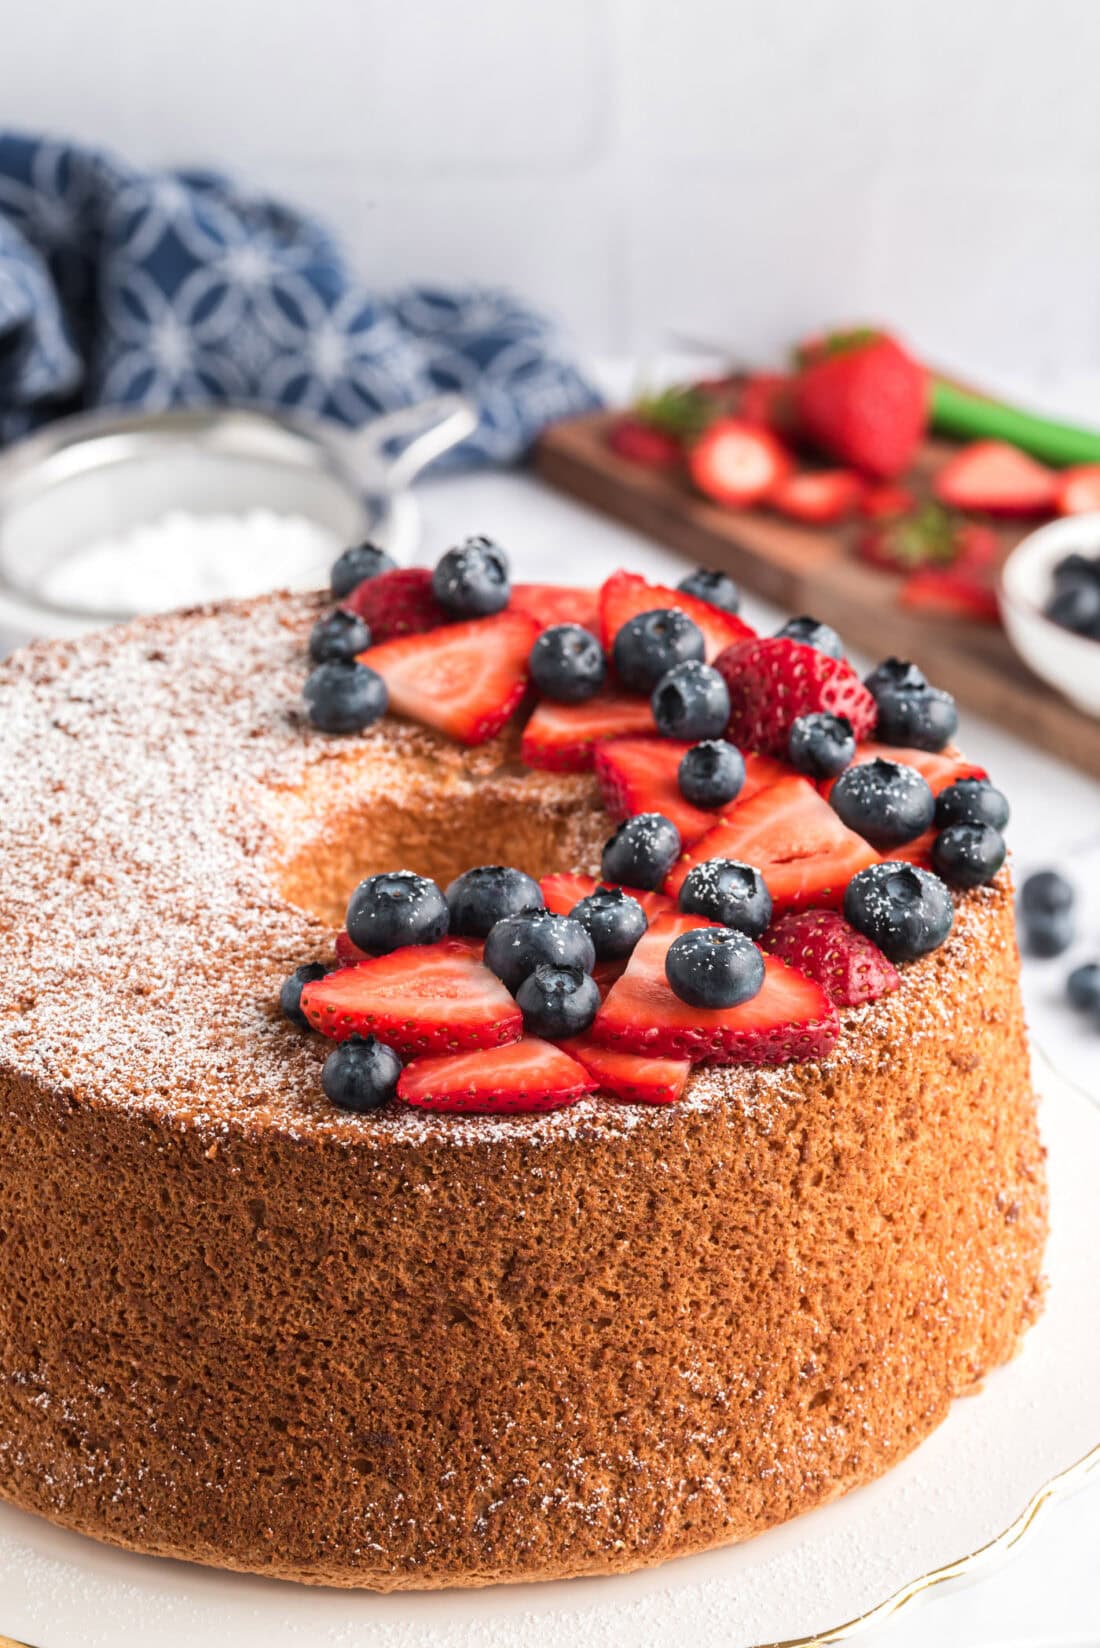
{"x":123,"y":287}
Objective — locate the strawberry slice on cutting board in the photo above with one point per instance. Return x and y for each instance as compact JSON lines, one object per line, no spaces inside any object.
{"x":792,"y":836}
{"x":633,"y":1078}
{"x":624,"y":595}
{"x":997,"y":479}
{"x":526,"y":1075}
{"x":423,"y":998}
{"x":563,"y":737}
{"x":464,"y":679}
{"x":551,"y":604}
{"x":790,"y":1017}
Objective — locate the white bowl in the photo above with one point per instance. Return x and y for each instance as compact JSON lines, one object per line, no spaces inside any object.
{"x":1067,"y":661}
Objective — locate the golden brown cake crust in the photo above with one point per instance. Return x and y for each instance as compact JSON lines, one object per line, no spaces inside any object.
{"x":401,"y":1350}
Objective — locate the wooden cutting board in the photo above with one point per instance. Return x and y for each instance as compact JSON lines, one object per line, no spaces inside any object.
{"x":812,"y":569}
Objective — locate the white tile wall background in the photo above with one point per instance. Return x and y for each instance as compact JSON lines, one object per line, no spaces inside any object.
{"x":730,"y":169}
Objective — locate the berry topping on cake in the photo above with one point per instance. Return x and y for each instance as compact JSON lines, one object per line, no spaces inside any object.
{"x":691,"y":701}
{"x":558,"y":1002}
{"x":813,"y":633}
{"x":527,"y":1075}
{"x":641,"y":775}
{"x":397,"y":603}
{"x":625,"y":596}
{"x":631,"y":1077}
{"x":563,"y":737}
{"x":355,"y":565}
{"x":567,"y":664}
{"x":649,"y":644}
{"x":821,"y":745}
{"x":465,"y":679}
{"x":794,"y":838}
{"x":789,"y":1018}
{"x":716,"y":588}
{"x":968,"y":855}
{"x":426,"y":998}
{"x":519,"y":944}
{"x":361,"y":1074}
{"x":557,"y":604}
{"x":774,"y":681}
{"x":290,"y":996}
{"x":709,"y":775}
{"x":563,"y":892}
{"x":471,"y":580}
{"x":971,"y":801}
{"x":714,"y":967}
{"x":347,"y":953}
{"x":345,"y":697}
{"x":906,"y":911}
{"x":910,"y":712}
{"x":642,"y":851}
{"x":885,"y":802}
{"x":481,"y":897}
{"x":340,"y":635}
{"x":395,"y":908}
{"x":821,"y":944}
{"x":613,"y":919}
{"x":720,"y":889}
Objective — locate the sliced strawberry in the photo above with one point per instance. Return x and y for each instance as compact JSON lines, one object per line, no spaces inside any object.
{"x":624,"y":595}
{"x":737,"y":463}
{"x":886,"y":502}
{"x":1077,"y":490}
{"x":562,"y":892}
{"x":997,"y":478}
{"x":793,"y":837}
{"x":563,"y":737}
{"x":642,"y":443}
{"x":631,"y":1077}
{"x":349,"y":954}
{"x":640,"y":775}
{"x":761,"y":771}
{"x":424,"y":998}
{"x":821,"y":944}
{"x":398,"y":602}
{"x":527,"y":1075}
{"x":790,"y":1018}
{"x":766,"y":399}
{"x":774,"y":680}
{"x":818,"y":496}
{"x":952,"y":592}
{"x":557,"y":604}
{"x":465,"y":680}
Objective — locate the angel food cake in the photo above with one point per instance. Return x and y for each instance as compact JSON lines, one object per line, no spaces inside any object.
{"x":552,"y":1098}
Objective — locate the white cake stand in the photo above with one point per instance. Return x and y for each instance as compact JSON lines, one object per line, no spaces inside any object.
{"x":953,"y":1509}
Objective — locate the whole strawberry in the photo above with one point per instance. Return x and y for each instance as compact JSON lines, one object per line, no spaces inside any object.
{"x":864,"y":400}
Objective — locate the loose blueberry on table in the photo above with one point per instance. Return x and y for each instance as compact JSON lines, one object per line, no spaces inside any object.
{"x":787,"y":838}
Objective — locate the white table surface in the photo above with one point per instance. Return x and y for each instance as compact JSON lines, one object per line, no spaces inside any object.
{"x":1049,"y":1590}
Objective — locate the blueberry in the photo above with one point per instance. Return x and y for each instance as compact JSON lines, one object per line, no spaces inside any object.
{"x":355,"y":565}
{"x":613,"y":921}
{"x":714,"y":967}
{"x":519,"y":944}
{"x":1049,"y":933}
{"x":919,"y":718}
{"x":557,"y":1002}
{"x":971,"y":801}
{"x":361,"y":1074}
{"x":395,"y":908}
{"x":340,"y":635}
{"x":290,"y":996}
{"x":479,"y":898}
{"x":724,"y":890}
{"x":968,"y":855}
{"x":650,"y":643}
{"x":1075,"y":569}
{"x":883,"y":801}
{"x":812,"y":633}
{"x":821,"y":745}
{"x":343,"y":697}
{"x":711,"y":774}
{"x":642,"y":851}
{"x":1046,"y":893}
{"x":715,"y":588}
{"x":567,"y":664}
{"x":471,"y":581}
{"x":1083,"y":987}
{"x":904,"y":910}
{"x":1075,"y":605}
{"x":895,"y":675}
{"x":691,"y":701}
